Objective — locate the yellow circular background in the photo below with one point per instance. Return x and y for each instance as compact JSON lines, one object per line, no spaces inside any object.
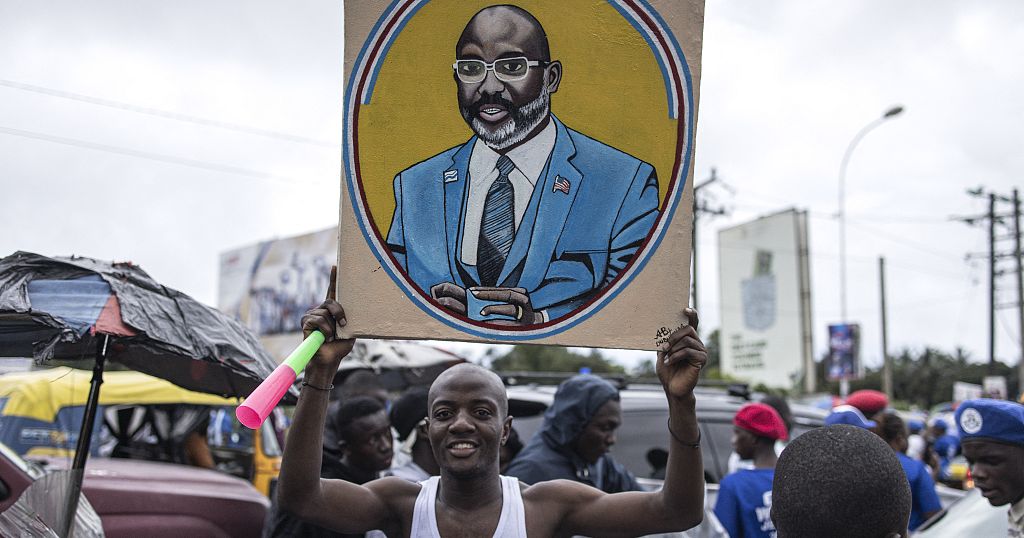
{"x":612,"y":90}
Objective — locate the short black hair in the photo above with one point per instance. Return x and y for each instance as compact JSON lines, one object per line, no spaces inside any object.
{"x":839,"y":481}
{"x":352,"y":410}
{"x":408,"y":410}
{"x":779,"y":404}
{"x":892,"y":427}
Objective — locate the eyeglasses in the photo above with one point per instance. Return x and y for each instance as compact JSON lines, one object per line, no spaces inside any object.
{"x":505,"y":69}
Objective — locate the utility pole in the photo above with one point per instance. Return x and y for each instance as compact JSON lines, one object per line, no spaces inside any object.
{"x":1020,"y":288}
{"x":700,"y":207}
{"x":886,"y":359}
{"x":993,"y":218}
{"x":991,"y":282}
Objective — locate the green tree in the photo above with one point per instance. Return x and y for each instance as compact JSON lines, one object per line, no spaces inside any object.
{"x":535,"y":358}
{"x":925,"y":378}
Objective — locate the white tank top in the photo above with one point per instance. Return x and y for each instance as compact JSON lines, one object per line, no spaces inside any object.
{"x":511,"y":523}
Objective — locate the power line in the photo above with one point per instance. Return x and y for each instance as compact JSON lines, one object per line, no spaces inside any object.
{"x":165,"y":114}
{"x":151,"y":156}
{"x":827,"y":255}
{"x":823,"y":215}
{"x":900,"y":240}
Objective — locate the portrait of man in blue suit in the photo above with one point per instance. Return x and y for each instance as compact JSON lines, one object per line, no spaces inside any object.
{"x":529,"y":219}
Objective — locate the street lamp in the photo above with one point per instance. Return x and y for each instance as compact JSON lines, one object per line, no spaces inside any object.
{"x":891,"y":113}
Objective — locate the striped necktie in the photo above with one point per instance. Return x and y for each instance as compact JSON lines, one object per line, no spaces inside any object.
{"x":497,"y":225}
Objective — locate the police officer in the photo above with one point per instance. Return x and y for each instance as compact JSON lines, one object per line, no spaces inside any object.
{"x":992,"y":436}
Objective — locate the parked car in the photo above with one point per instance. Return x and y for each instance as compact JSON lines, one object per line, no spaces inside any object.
{"x":125,"y":498}
{"x":139,"y":417}
{"x":165,"y":500}
{"x":644,"y":418}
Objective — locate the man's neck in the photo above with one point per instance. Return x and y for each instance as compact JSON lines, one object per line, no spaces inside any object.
{"x":464,"y":494}
{"x":765,"y":458}
{"x":359,"y":475}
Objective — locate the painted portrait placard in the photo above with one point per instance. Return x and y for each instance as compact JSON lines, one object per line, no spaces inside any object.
{"x":519,"y":172}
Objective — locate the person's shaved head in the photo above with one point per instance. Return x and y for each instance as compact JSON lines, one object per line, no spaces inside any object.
{"x":840,"y":481}
{"x":468,"y":376}
{"x":506,"y":24}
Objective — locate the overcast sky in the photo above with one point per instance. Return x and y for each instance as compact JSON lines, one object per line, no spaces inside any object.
{"x":167,"y":132}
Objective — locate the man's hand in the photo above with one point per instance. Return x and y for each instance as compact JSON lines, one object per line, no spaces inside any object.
{"x":451,"y":296}
{"x":328,"y":318}
{"x":681,"y":359}
{"x":517,"y":305}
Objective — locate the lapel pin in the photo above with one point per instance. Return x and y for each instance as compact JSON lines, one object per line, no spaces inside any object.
{"x":561,"y":184}
{"x":451,"y":175}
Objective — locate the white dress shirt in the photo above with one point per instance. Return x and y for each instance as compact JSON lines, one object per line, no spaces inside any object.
{"x":529,"y":158}
{"x":1016,"y":517}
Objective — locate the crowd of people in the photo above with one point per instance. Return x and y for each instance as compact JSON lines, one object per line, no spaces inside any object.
{"x":446,"y":461}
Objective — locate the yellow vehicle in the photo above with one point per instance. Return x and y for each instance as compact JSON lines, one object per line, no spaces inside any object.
{"x":139,"y":417}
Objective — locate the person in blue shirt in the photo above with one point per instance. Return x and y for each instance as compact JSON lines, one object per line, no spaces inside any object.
{"x":925,"y":502}
{"x":946,"y":446}
{"x":745,"y":497}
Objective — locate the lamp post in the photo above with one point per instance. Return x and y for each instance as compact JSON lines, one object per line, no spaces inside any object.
{"x":892,"y":112}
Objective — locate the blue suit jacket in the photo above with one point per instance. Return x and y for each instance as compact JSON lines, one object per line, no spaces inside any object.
{"x":567,"y":247}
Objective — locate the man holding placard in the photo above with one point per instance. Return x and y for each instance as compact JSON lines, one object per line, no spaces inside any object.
{"x":467,"y":423}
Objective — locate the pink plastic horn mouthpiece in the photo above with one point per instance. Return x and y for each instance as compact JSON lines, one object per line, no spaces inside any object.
{"x":261,"y":402}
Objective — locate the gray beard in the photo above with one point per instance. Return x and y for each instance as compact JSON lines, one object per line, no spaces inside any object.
{"x":523,"y":121}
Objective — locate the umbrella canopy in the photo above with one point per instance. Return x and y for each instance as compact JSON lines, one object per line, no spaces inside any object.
{"x":397,"y":364}
{"x":57,"y":308}
{"x":80,"y":308}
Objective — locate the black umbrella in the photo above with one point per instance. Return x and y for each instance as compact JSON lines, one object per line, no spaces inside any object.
{"x":81,"y":308}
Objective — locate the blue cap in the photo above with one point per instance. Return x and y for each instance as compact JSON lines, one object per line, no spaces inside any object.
{"x":941,"y":424}
{"x":848,"y":414}
{"x":998,"y":420}
{"x":915,"y":425}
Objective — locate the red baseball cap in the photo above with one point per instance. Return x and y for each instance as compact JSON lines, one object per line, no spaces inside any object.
{"x":761,"y":420}
{"x":868,"y":401}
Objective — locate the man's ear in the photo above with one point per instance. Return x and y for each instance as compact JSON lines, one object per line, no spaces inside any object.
{"x":553,"y":76}
{"x":421,"y":428}
{"x":506,"y":430}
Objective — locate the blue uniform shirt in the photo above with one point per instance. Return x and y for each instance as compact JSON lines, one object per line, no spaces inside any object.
{"x":922,"y":490}
{"x":946,"y":448}
{"x":744,"y":503}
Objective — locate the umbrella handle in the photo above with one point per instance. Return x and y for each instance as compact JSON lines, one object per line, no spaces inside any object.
{"x":261,"y":401}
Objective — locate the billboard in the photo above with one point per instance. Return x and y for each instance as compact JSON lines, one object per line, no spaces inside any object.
{"x":486,"y":197}
{"x":843,"y":360}
{"x":269,"y":285}
{"x":966,"y":391}
{"x":765,"y":300}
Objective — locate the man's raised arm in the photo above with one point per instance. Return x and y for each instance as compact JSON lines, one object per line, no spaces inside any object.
{"x":679,"y":505}
{"x":334,"y":504}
